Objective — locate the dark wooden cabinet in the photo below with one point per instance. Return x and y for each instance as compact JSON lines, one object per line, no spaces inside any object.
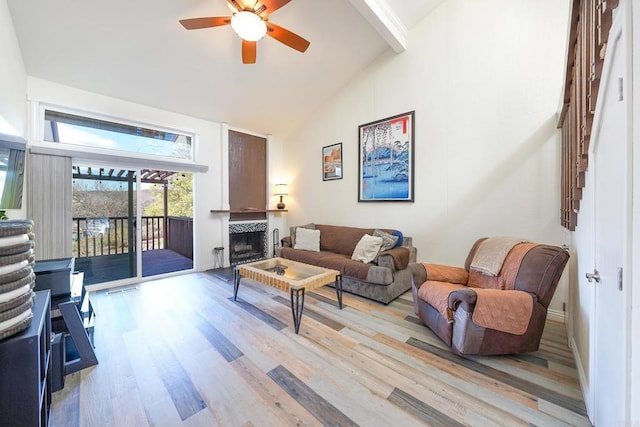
{"x":25,"y":370}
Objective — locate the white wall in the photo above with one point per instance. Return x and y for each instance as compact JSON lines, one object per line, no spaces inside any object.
{"x":13,"y":85}
{"x":635,"y":251}
{"x":484,"y":80}
{"x":13,"y":77}
{"x":208,"y":187}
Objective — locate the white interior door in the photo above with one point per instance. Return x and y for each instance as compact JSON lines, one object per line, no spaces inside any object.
{"x":612,"y":209}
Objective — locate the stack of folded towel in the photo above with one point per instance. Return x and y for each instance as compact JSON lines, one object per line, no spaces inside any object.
{"x":16,"y":276}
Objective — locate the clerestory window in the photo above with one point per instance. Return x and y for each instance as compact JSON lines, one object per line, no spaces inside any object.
{"x":89,"y":132}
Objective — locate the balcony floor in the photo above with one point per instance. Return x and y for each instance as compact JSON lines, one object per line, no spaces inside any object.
{"x":107,"y":268}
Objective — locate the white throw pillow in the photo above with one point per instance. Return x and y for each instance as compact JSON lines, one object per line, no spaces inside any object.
{"x":367,"y":249}
{"x":308,"y":240}
{"x":292,"y":231}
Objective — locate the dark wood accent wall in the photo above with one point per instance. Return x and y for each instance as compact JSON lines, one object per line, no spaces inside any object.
{"x":591,"y":21}
{"x":247,"y":176}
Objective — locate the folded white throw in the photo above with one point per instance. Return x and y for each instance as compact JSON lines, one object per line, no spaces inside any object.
{"x":490,"y":255}
{"x":13,"y":240}
{"x":8,"y":296}
{"x":10,"y":323}
{"x":6,"y":269}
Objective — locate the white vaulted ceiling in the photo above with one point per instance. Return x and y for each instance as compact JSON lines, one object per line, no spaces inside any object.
{"x":137,"y":51}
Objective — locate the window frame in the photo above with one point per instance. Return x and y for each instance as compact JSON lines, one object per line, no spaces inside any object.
{"x":107,"y":152}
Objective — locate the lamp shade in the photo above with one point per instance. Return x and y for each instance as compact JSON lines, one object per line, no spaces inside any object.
{"x":248,"y":26}
{"x":280,"y":190}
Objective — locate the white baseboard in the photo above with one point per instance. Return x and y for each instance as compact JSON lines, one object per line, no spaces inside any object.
{"x":206,"y":267}
{"x":582,"y":377}
{"x":556,"y":316}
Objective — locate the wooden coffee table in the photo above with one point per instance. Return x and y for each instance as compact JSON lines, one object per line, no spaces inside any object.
{"x":292,"y":276}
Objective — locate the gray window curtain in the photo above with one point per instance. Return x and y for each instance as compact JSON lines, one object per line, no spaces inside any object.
{"x":49,"y":196}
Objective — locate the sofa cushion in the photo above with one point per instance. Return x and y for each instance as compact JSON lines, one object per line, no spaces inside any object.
{"x":340,"y":240}
{"x":343,"y":263}
{"x":437,"y":293}
{"x":308,"y":240}
{"x":362,"y":271}
{"x":333,"y":261}
{"x":321,"y":259}
{"x":367,"y":248}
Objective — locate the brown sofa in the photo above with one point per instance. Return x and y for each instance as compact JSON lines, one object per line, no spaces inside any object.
{"x":514,"y":301}
{"x":382,"y":280}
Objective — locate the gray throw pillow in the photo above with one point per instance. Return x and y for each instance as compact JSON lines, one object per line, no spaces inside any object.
{"x":388,"y":241}
{"x":292,"y":232}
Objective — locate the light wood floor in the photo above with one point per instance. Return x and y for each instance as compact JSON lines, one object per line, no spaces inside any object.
{"x":180,"y":351}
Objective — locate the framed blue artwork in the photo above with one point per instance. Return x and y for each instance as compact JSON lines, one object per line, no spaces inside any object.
{"x":386,"y":160}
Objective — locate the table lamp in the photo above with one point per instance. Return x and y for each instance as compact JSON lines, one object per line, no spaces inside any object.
{"x":280,"y":190}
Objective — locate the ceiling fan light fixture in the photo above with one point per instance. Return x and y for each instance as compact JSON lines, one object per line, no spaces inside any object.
{"x":248,"y":26}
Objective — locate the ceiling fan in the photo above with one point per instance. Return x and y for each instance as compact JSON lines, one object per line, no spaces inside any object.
{"x":250,"y":21}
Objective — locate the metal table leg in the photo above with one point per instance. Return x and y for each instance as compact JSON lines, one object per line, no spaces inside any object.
{"x":338,"y":286}
{"x":297,"y":305}
{"x":236,"y":282}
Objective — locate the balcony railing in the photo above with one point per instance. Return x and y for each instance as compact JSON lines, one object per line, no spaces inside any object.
{"x":110,"y":235}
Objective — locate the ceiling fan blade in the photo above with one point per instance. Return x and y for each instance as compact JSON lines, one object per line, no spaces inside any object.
{"x":271,"y":6}
{"x":248,"y":52}
{"x":287,"y":37}
{"x":235,"y":5}
{"x":197,"y":23}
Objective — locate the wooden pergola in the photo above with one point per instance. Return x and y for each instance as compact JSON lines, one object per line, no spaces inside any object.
{"x":149,"y":176}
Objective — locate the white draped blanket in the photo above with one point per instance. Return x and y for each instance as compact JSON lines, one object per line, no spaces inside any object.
{"x":490,"y":255}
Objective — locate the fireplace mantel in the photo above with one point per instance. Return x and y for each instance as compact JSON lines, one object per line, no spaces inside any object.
{"x":242,"y":211}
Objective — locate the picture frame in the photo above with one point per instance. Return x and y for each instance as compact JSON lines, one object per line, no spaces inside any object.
{"x":332,"y":162}
{"x":386,"y":159}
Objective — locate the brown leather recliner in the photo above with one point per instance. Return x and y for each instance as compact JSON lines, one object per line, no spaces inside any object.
{"x":476,"y":310}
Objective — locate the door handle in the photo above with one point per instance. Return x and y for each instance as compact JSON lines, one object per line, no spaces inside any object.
{"x":593,"y":276}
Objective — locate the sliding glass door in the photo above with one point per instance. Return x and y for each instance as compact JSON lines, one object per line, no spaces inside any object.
{"x":123,"y":219}
{"x":127,"y":222}
{"x":104,"y":223}
{"x":167,"y":222}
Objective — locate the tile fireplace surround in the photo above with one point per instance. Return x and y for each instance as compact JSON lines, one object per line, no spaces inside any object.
{"x":247,"y":241}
